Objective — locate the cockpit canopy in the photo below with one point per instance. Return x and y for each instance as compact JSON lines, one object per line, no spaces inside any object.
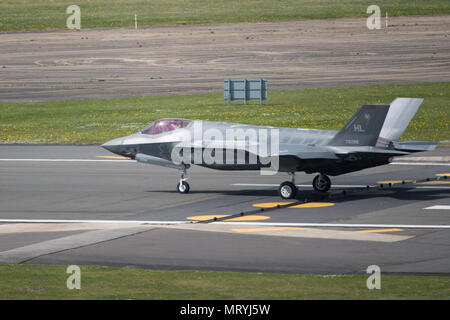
{"x":165,"y":125}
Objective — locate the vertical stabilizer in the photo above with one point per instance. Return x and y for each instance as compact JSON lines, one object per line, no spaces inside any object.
{"x":363,"y":129}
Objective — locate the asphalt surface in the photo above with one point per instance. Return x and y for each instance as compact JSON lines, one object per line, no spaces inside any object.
{"x":122,"y":62}
{"x":116,"y":196}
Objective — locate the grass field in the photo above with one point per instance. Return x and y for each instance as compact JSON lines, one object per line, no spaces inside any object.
{"x":96,"y":121}
{"x":44,"y":14}
{"x":49,"y":282}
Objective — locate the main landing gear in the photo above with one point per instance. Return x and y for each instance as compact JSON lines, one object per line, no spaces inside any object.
{"x":183,"y":186}
{"x":321,"y":183}
{"x":288,"y":189}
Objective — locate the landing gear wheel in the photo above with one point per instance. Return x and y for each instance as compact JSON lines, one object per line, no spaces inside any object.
{"x":183,"y":187}
{"x":287,"y":190}
{"x":321,"y":183}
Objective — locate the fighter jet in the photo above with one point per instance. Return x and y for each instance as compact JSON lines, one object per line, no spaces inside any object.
{"x":368,"y":139}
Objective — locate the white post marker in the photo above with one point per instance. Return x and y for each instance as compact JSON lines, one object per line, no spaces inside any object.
{"x":135,"y":21}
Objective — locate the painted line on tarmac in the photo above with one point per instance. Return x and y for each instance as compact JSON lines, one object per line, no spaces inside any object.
{"x":275,"y":224}
{"x":430,"y":187}
{"x":297,"y":232}
{"x":338,"y":225}
{"x":298,"y":185}
{"x":438,"y":207}
{"x":419,"y":164}
{"x":434,"y":182}
{"x":269,"y":229}
{"x":415,"y":186}
{"x":26,"y":253}
{"x":394,"y":181}
{"x":90,"y":221}
{"x":114,"y":157}
{"x":224,"y":217}
{"x":380,"y":230}
{"x":133,"y":161}
{"x":71,"y":160}
{"x":302,"y":205}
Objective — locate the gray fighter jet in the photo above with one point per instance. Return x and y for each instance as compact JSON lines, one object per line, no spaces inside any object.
{"x":369,"y":139}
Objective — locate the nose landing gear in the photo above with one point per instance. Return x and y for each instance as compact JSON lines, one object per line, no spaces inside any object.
{"x":183,"y":186}
{"x":288,"y":189}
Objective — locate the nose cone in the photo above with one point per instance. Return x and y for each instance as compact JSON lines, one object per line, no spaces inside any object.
{"x":124,"y":146}
{"x":114,"y":145}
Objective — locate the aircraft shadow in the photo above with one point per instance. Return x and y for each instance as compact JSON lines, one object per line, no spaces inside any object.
{"x":336,"y":195}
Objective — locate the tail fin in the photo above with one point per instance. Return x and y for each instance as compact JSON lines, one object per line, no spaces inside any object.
{"x":363,"y":129}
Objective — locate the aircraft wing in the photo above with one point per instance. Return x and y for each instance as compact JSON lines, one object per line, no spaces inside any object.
{"x":366,"y":149}
{"x":331,"y":152}
{"x":299,"y":151}
{"x":306,"y":152}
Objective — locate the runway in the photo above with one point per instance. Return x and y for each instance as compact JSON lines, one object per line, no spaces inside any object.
{"x":89,"y":209}
{"x":122,"y":62}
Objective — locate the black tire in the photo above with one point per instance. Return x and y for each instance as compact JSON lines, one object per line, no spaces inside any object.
{"x":287,"y":190}
{"x":183,"y":187}
{"x":321,"y":184}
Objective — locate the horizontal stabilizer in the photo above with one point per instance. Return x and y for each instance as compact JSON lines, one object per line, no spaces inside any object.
{"x":415,"y":146}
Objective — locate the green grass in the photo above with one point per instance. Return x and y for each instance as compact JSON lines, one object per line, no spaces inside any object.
{"x":96,"y":121}
{"x":45,"y":14}
{"x":49,"y":282}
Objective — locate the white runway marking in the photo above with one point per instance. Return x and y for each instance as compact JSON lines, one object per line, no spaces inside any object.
{"x":312,"y":233}
{"x":438,"y":207}
{"x":90,"y":221}
{"x":333,"y":186}
{"x":338,"y":225}
{"x":431,"y":187}
{"x":71,"y":160}
{"x":299,"y":185}
{"x":28,"y":252}
{"x":419,"y":164}
{"x":133,"y":161}
{"x":275,"y":224}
